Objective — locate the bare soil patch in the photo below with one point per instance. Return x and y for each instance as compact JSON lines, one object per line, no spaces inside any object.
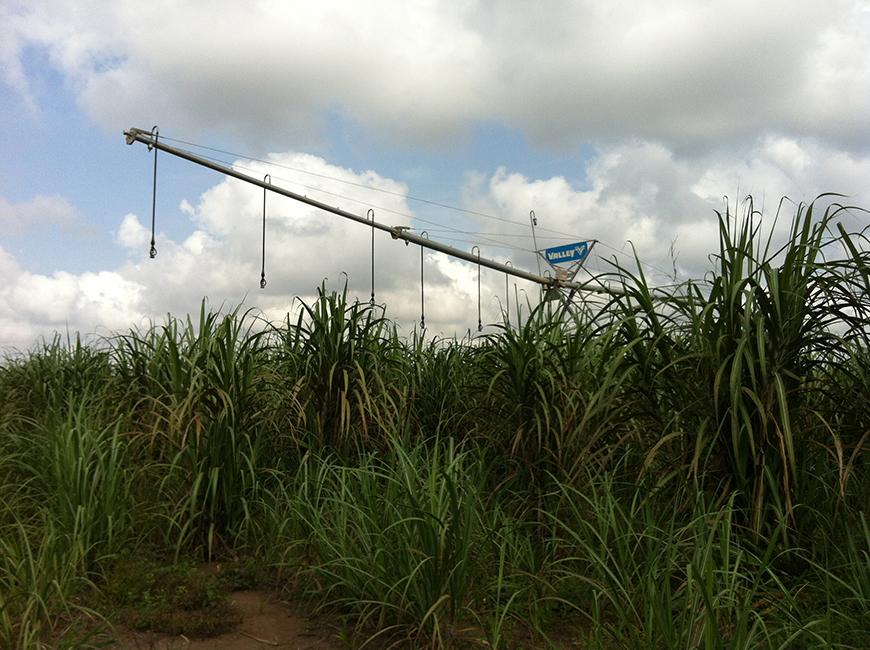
{"x":266,"y":622}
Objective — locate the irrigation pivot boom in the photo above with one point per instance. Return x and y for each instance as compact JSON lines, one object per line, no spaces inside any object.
{"x":396,"y":232}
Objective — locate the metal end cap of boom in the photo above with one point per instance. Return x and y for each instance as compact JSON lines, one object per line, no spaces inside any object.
{"x":132,"y":134}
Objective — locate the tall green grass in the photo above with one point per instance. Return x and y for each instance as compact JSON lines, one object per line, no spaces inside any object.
{"x":743,"y":362}
{"x":687,"y":472}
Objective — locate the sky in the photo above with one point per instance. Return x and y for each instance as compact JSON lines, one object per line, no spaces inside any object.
{"x":628,"y":123}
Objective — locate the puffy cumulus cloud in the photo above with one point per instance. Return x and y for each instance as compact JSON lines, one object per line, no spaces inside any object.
{"x":305,"y":246}
{"x":665,"y":204}
{"x":677,"y":71}
{"x":38,"y":212}
{"x":642,"y":191}
{"x":220,"y":259}
{"x":11,"y":45}
{"x":105,"y":297}
{"x":34,"y":306}
{"x":684,"y":72}
{"x":132,"y":234}
{"x":637,"y":192}
{"x":800,"y":168}
{"x":275,"y":66}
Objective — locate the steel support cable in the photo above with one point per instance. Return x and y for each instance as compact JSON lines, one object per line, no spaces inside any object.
{"x":646,"y":264}
{"x":476,"y":242}
{"x":494,"y":234}
{"x":444,"y":228}
{"x":484,"y":240}
{"x":409,"y":197}
{"x":396,"y":232}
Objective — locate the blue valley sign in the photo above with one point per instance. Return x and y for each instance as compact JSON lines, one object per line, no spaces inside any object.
{"x":573,"y":253}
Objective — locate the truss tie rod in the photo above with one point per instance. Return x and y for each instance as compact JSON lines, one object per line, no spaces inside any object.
{"x":396,"y":232}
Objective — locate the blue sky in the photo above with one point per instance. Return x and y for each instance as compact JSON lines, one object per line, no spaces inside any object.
{"x":620,"y":123}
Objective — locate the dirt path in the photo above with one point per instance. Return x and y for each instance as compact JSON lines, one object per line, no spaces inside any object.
{"x":266,"y":623}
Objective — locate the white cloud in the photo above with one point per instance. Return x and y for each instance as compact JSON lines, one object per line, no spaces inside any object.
{"x":221,"y":260}
{"x":131,"y":234}
{"x":645,"y":193}
{"x":35,"y":305}
{"x":686,"y":73}
{"x":38,"y":212}
{"x":640,"y":191}
{"x":11,"y":47}
{"x":685,"y":102}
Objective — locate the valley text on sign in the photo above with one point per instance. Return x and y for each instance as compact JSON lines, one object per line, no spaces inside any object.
{"x":575,"y":252}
